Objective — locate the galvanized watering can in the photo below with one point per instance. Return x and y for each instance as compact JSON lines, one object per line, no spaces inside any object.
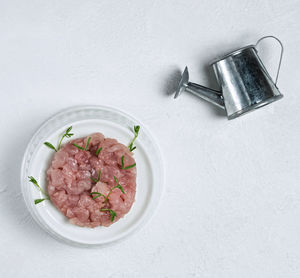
{"x":244,"y":81}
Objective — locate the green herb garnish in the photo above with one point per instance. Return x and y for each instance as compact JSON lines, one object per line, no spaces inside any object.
{"x":80,"y":148}
{"x":98,"y":151}
{"x":127,"y":167}
{"x":33,"y":180}
{"x":37,"y":201}
{"x":98,"y":194}
{"x":67,"y":134}
{"x":86,"y":145}
{"x":49,"y":145}
{"x":111,"y":212}
{"x":116,"y":186}
{"x":98,"y":178}
{"x":136,"y":130}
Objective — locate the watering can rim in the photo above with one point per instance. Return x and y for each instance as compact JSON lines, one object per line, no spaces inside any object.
{"x":232,"y":53}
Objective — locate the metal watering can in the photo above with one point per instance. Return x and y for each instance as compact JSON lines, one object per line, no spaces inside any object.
{"x":245,"y":82}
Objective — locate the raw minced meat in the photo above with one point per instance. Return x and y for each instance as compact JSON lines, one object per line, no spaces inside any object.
{"x":73,"y":175}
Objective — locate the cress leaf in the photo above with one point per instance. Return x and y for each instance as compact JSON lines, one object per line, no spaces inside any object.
{"x":37,"y":201}
{"x":136,"y":130}
{"x":98,"y":194}
{"x":33,"y":180}
{"x":98,"y":178}
{"x":121,"y":188}
{"x":123,"y":162}
{"x":130,"y":166}
{"x":68,"y":129}
{"x":87,"y":143}
{"x":127,"y":167}
{"x":49,"y":145}
{"x":80,"y":148}
{"x":112,"y":214}
{"x":98,"y":151}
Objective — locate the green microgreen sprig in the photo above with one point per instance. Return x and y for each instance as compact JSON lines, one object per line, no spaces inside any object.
{"x":98,"y":151}
{"x":127,"y":167}
{"x":37,"y":201}
{"x":86,"y":145}
{"x":67,"y":134}
{"x":49,"y":145}
{"x":111,"y":212}
{"x":116,"y":186}
{"x":136,"y":130}
{"x":34,"y":181}
{"x":78,"y":147}
{"x":98,"y":194}
{"x":98,"y":178}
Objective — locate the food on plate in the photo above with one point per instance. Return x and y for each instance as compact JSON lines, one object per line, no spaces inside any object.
{"x":91,"y":180}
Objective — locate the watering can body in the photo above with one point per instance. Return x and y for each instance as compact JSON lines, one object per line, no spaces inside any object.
{"x":244,"y":81}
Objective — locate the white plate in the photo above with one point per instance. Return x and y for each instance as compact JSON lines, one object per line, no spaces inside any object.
{"x":86,"y":120}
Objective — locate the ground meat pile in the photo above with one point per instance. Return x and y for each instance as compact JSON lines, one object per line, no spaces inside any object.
{"x":73,"y":175}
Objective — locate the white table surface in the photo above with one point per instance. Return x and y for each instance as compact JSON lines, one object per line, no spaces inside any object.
{"x":231,"y":207}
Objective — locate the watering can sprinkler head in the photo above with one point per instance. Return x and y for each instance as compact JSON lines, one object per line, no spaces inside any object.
{"x":210,"y":95}
{"x":183,"y":83}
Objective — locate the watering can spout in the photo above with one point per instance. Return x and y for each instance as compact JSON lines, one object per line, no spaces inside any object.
{"x":210,"y":95}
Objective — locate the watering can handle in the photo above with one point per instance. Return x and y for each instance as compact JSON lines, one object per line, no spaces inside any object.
{"x":281,"y":53}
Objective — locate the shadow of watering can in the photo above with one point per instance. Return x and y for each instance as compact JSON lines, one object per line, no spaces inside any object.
{"x":244,"y":81}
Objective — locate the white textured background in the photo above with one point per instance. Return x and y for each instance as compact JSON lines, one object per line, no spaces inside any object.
{"x":232,"y":201}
